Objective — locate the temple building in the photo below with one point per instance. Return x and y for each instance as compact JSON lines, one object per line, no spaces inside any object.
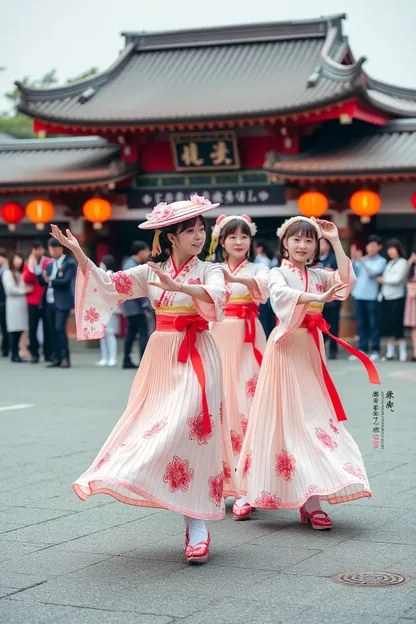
{"x":254,"y":116}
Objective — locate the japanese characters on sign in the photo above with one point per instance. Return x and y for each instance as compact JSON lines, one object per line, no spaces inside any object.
{"x":376,"y":419}
{"x":226,"y":196}
{"x":205,"y":151}
{"x":382,"y":401}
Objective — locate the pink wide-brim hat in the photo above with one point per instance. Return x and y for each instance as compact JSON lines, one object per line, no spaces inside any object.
{"x":164,"y":215}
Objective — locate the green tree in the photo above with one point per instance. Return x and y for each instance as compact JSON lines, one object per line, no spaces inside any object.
{"x":17,"y":124}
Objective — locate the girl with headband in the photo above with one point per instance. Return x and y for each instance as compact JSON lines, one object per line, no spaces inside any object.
{"x":169,"y":446}
{"x":297,"y":451}
{"x":240,"y":337}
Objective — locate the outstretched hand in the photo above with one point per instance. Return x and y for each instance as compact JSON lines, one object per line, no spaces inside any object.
{"x":68,"y":241}
{"x":165,"y":280}
{"x":331,"y":294}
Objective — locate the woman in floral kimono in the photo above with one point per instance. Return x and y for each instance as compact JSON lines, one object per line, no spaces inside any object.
{"x":240,"y":337}
{"x":297,"y":450}
{"x":168,"y":448}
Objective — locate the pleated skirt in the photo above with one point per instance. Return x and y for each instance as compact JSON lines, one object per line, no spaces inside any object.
{"x":294,"y":446}
{"x":240,"y":374}
{"x":158,"y":455}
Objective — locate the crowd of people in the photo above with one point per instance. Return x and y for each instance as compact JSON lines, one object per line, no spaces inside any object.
{"x":384,"y":297}
{"x":37,"y":296}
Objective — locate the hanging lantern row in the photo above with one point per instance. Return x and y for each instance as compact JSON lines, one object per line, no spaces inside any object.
{"x":364,"y":203}
{"x":41,"y":211}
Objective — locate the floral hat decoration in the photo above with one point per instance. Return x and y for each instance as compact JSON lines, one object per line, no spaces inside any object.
{"x":219,"y":224}
{"x":164,"y":215}
{"x":283,"y":228}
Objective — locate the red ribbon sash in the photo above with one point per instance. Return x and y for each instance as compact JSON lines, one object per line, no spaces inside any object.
{"x":249,"y":312}
{"x":191,"y":325}
{"x":315,"y":322}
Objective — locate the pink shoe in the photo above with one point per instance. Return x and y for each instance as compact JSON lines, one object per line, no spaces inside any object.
{"x":318,"y":519}
{"x":243,"y":512}
{"x":198,"y":553}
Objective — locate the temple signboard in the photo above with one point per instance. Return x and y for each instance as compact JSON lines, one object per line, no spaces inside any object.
{"x":226,"y":196}
{"x":205,"y":151}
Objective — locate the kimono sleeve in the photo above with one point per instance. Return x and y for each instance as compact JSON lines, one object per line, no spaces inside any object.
{"x":98,"y":294}
{"x":261,"y":277}
{"x":219,"y":292}
{"x":330,"y":278}
{"x":284,"y":301}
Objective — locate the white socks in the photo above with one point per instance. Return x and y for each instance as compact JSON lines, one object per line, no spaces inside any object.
{"x":312,"y":504}
{"x":197,"y":529}
{"x":402,"y":351}
{"x":240,"y":501}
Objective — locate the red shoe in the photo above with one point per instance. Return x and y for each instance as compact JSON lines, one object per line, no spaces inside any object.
{"x":243,"y":512}
{"x":318,"y":519}
{"x":198,"y":553}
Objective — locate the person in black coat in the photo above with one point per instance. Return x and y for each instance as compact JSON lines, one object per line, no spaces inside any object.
{"x":59,"y":278}
{"x":331,"y":311}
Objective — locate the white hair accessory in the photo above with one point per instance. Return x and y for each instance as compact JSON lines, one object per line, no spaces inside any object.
{"x":282,"y":229}
{"x":223,"y":220}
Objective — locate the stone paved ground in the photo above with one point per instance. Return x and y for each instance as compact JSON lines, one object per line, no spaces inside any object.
{"x":103,"y":562}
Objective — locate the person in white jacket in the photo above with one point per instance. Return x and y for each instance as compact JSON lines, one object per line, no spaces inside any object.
{"x":16,"y":306}
{"x":393,"y":282}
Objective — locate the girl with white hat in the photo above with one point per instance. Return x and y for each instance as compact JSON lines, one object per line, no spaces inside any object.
{"x":168,"y":448}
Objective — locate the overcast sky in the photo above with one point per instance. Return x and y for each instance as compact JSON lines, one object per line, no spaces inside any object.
{"x":74,"y":35}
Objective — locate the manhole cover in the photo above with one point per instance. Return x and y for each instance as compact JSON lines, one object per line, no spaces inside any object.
{"x":369,"y":579}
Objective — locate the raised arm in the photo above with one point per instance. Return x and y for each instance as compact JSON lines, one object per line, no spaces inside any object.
{"x":98,"y":294}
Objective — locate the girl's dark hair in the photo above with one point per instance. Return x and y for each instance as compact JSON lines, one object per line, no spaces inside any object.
{"x":177,"y":228}
{"x":299,"y":228}
{"x":394,"y":242}
{"x":230,"y":228}
{"x":11,"y":267}
{"x":12,"y":257}
{"x":109,"y":262}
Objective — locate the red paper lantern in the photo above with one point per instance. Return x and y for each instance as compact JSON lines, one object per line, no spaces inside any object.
{"x":365,"y":204}
{"x":40,"y":211}
{"x":12,"y":213}
{"x":97,"y":211}
{"x":313,"y":204}
{"x":413,"y":199}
